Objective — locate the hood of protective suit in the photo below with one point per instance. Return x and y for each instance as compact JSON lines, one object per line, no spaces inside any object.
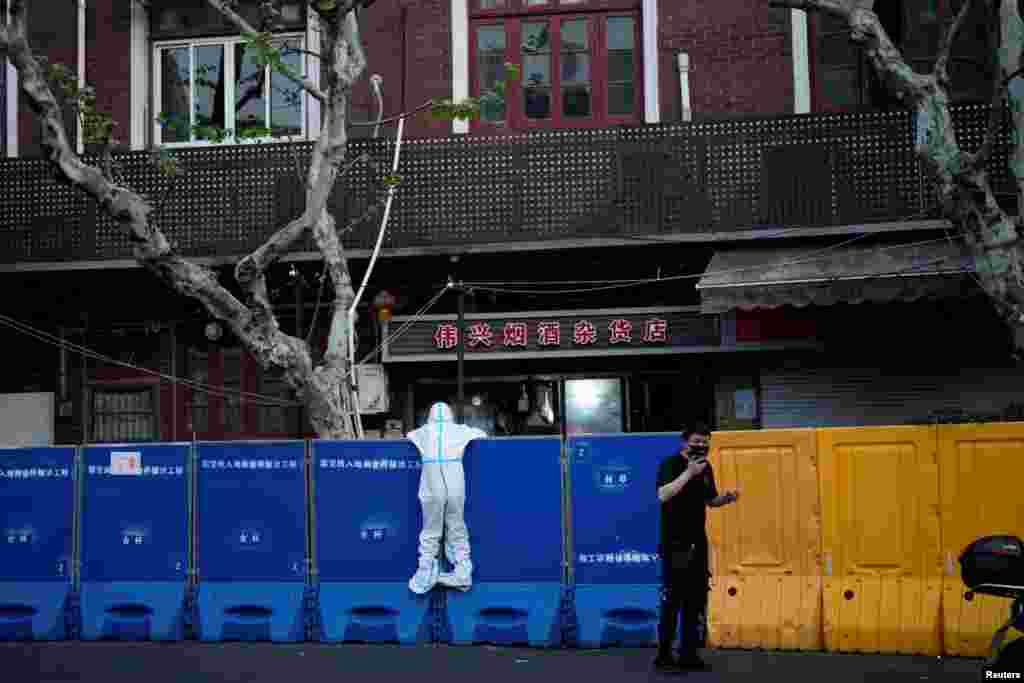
{"x":441,"y":412}
{"x":441,"y":439}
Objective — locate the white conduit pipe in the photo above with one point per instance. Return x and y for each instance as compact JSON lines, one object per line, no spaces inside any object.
{"x":366,"y":278}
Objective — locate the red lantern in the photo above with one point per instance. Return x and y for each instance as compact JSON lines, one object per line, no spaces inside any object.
{"x":383,"y":304}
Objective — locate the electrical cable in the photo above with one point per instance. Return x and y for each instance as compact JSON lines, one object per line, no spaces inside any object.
{"x":221,"y":392}
{"x":414,"y":318}
{"x":821,"y":255}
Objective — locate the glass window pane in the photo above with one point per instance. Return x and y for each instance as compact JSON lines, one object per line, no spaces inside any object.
{"x":250,"y":86}
{"x":575,"y":68}
{"x":620,"y":33}
{"x":536,"y":38}
{"x":492,"y":4}
{"x":209,"y":86}
{"x":174,"y":94}
{"x":286,"y":95}
{"x":593,"y":406}
{"x":574,"y":35}
{"x":576,"y":101}
{"x":575,"y":71}
{"x":490,"y":39}
{"x":491,"y":69}
{"x":620,"y":67}
{"x":537,"y":102}
{"x":536,"y":3}
{"x":620,"y":99}
{"x":536,"y":70}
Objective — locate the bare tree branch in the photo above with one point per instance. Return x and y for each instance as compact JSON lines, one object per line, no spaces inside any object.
{"x":224,"y":8}
{"x":961,"y":182}
{"x":127,"y":208}
{"x":347,"y":64}
{"x":941,"y":64}
{"x":390,"y":119}
{"x":375,"y":81}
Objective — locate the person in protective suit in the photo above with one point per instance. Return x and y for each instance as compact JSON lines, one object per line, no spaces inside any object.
{"x":441,"y":443}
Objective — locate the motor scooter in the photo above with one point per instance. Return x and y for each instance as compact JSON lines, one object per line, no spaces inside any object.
{"x":994,"y":565}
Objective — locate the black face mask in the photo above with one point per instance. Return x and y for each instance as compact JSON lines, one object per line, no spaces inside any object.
{"x":698,"y":452}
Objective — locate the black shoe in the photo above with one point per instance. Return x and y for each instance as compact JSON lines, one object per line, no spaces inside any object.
{"x":693,"y":663}
{"x":666,"y":665}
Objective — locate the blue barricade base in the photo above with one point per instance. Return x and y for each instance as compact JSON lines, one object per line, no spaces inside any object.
{"x":374,"y":613}
{"x":506,"y":614}
{"x":618,"y":615}
{"x":251,"y":611}
{"x":33,"y":610}
{"x":131,"y":610}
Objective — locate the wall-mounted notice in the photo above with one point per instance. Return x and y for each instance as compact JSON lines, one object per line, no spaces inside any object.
{"x":126,"y":463}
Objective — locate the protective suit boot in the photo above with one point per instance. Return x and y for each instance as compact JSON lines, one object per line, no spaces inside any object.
{"x":461,"y":578}
{"x":425,"y":578}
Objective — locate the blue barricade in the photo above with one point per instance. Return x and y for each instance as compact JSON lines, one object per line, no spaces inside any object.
{"x":135,"y":542}
{"x":251,"y":541}
{"x":514,"y":515}
{"x":36,"y":547}
{"x":367,"y":523}
{"x":615,"y":521}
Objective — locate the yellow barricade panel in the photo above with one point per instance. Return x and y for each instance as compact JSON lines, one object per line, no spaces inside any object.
{"x":982,"y":469}
{"x":765,"y":548}
{"x":881,"y":544}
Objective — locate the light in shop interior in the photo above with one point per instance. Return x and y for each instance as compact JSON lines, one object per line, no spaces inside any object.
{"x":477,"y":401}
{"x":586,"y":394}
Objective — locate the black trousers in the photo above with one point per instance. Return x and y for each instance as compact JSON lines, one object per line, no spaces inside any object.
{"x":684,"y":593}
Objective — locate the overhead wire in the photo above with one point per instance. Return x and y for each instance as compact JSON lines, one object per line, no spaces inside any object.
{"x":53,"y":340}
{"x":414,"y":318}
{"x":223,"y":392}
{"x":820,"y":256}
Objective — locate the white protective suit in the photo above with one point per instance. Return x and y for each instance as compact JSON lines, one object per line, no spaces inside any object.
{"x":442,"y":495}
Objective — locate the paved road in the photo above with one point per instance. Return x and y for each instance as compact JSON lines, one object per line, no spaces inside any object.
{"x":316,"y":663}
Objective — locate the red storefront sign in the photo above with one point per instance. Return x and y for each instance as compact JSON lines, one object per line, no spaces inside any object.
{"x":549,"y":334}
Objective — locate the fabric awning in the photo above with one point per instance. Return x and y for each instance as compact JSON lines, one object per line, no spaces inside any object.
{"x":768,"y":278}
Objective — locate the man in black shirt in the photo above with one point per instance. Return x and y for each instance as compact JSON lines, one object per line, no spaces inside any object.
{"x":686,"y":486}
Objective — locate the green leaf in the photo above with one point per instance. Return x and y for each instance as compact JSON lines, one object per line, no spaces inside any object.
{"x":247,"y":133}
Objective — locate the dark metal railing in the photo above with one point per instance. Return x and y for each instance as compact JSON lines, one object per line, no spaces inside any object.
{"x":693,"y":178}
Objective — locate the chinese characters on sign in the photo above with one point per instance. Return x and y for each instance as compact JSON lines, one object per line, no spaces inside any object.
{"x":379,"y":464}
{"x":35,"y":473}
{"x":146,"y":471}
{"x":549,"y":334}
{"x":250,"y":464}
{"x":620,"y":557}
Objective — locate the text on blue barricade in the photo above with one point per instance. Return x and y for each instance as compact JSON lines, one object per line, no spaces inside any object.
{"x":54,"y":473}
{"x":386,"y":464}
{"x":619,"y":558}
{"x":250,"y":464}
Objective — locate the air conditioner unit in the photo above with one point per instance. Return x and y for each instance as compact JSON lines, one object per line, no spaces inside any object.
{"x":373,"y":389}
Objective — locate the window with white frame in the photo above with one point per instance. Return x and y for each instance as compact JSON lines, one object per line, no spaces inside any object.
{"x":205,"y":86}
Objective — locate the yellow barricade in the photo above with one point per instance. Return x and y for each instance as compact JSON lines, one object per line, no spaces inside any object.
{"x":982,"y":469}
{"x":881,"y":540}
{"x":766,"y":590}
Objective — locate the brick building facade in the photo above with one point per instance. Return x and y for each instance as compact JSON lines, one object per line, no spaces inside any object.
{"x":645,"y":138}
